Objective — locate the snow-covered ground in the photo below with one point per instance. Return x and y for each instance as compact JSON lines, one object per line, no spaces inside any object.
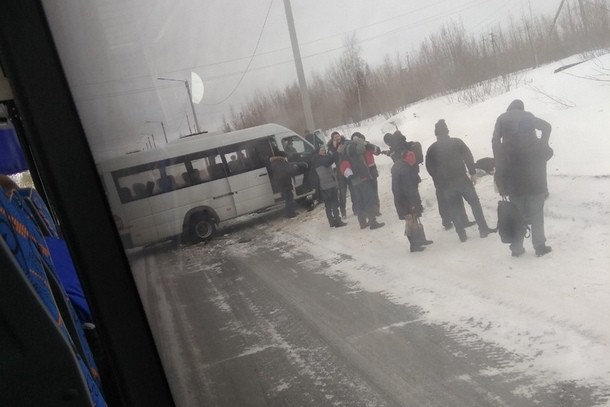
{"x":552,"y":312}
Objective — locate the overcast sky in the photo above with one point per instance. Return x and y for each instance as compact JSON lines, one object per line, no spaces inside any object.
{"x":113,"y":51}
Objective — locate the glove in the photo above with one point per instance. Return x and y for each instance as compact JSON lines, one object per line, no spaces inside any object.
{"x":473,"y":178}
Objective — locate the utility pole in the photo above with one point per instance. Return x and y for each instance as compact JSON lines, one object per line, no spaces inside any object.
{"x":495,"y":51}
{"x":532,"y":46}
{"x":556,"y":15}
{"x":585,"y":25}
{"x":150,"y":140}
{"x":190,"y":97}
{"x":299,"y":65}
{"x":162,"y":126}
{"x":188,"y":122}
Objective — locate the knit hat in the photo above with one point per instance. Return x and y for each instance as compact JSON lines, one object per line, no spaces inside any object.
{"x":398,"y":136}
{"x":516,"y":104}
{"x":440,"y":128}
{"x":387,"y":138}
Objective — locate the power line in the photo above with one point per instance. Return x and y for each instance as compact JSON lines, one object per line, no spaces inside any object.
{"x":249,"y":62}
{"x":496,"y":12}
{"x":272,"y":51}
{"x":427,"y":20}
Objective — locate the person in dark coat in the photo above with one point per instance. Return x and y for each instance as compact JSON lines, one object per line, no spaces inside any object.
{"x":448,"y":158}
{"x":444,"y":209}
{"x":336,"y":140}
{"x":521,"y":159}
{"x":282,"y":172}
{"x":398,"y":145}
{"x":369,"y":155}
{"x":322,"y":162}
{"x":405,"y":188}
{"x":359,"y":176}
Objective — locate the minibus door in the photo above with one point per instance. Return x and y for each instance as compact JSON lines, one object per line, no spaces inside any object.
{"x":249,"y":180}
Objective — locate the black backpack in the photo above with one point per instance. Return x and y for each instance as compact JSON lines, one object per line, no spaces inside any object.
{"x":511,"y":224}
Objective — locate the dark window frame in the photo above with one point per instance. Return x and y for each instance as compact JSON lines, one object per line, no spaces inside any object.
{"x":52,"y":133}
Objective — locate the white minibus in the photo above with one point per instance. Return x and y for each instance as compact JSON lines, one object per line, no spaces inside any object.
{"x":187,"y":187}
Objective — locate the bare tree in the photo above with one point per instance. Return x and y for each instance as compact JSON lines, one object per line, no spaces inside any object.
{"x":349,"y":77}
{"x":447,"y":61}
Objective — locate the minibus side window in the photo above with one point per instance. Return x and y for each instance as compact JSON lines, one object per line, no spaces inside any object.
{"x":205,"y":166}
{"x":244,"y":157}
{"x":177,"y":175}
{"x":217,"y":169}
{"x":137,"y":182}
{"x":295,"y":147}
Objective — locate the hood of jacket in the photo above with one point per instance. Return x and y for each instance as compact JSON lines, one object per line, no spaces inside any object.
{"x":516,"y":104}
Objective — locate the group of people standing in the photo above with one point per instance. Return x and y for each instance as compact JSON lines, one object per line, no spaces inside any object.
{"x":354,"y":169}
{"x":520,"y":158}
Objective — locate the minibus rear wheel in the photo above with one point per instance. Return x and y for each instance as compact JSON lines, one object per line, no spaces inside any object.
{"x":202,"y":228}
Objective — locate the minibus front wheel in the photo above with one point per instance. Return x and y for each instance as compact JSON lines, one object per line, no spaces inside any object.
{"x":202,"y":228}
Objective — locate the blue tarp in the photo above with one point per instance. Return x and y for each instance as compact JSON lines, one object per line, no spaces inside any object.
{"x":12,"y":159}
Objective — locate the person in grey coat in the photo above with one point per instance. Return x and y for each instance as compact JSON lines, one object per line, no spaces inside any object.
{"x":521,"y":168}
{"x":322,"y":162}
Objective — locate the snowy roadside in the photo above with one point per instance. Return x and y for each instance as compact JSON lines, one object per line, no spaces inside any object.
{"x":544,"y":311}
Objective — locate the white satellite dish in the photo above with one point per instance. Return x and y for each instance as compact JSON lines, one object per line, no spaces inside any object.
{"x":196,"y":88}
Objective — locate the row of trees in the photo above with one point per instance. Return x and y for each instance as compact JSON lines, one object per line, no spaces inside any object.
{"x":448,"y":61}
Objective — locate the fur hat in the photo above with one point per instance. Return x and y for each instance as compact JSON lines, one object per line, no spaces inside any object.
{"x":440,"y":128}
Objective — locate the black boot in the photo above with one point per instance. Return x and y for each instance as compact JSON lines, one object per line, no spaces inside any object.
{"x":376,"y":225}
{"x":373,"y":224}
{"x":484,"y":232}
{"x":415,"y":247}
{"x":542,"y":250}
{"x":338,"y":223}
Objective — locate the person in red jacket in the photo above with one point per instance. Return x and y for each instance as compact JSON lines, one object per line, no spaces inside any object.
{"x":360,"y":178}
{"x":369,"y":156}
{"x":405,"y":188}
{"x":333,"y":147}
